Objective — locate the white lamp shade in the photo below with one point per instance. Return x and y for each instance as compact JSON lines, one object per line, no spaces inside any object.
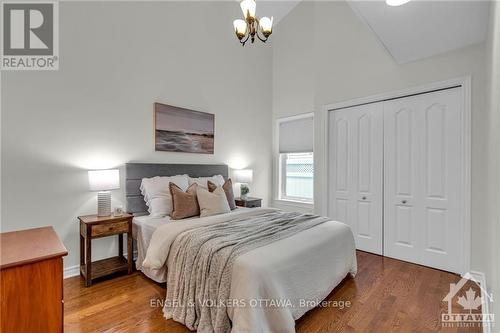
{"x":240,"y":27}
{"x":104,"y":180}
{"x":248,"y":8}
{"x":266,"y":24}
{"x":243,"y":176}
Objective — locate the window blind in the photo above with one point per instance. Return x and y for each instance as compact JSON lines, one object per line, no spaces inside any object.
{"x":296,"y":136}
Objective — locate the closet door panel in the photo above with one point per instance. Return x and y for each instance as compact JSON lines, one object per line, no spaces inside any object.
{"x":401,"y":215}
{"x":356,"y":168}
{"x":403,"y":227}
{"x":422,"y":179}
{"x":404,"y":159}
{"x":339,"y":168}
{"x":364,"y":136}
{"x":342,"y":151}
{"x":441,"y":166}
{"x":434,"y":172}
{"x":340,"y":210}
{"x":367,"y":152}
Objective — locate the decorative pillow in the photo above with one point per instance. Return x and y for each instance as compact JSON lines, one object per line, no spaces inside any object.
{"x":184,"y":204}
{"x":203,"y":181}
{"x":212,"y":203}
{"x":228,"y":189}
{"x":157,"y":195}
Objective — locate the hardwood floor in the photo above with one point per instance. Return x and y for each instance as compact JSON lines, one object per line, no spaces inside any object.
{"x":386,"y":295}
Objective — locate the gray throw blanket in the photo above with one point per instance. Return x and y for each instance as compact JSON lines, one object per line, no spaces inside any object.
{"x":200,"y":271}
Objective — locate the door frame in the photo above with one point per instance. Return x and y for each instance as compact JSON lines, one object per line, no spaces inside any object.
{"x":465,"y":118}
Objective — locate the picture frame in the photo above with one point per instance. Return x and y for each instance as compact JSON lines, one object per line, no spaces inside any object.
{"x":183,"y":130}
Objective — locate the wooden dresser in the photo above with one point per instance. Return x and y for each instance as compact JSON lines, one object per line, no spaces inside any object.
{"x":31,"y":281}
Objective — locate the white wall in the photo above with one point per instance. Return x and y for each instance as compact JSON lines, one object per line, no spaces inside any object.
{"x":492,"y":132}
{"x":116,"y":60}
{"x":323,"y":54}
{"x":292,"y":74}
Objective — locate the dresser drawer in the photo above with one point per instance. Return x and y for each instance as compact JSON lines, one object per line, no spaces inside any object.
{"x":101,"y":230}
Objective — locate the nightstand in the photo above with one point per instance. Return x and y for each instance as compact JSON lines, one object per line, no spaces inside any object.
{"x":93,"y":226}
{"x":248,"y":202}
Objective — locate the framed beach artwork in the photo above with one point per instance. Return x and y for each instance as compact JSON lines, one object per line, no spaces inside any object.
{"x":183,"y":130}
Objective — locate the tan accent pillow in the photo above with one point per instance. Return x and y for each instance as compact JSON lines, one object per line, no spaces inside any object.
{"x":184,"y":204}
{"x":228,"y":189}
{"x":212,"y":203}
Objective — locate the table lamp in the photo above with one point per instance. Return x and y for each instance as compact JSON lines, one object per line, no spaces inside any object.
{"x":103,"y":181}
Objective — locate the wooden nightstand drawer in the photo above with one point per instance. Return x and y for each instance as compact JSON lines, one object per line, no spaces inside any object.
{"x":108,"y":229}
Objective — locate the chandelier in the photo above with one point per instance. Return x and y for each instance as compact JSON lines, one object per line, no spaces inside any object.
{"x":252,"y":26}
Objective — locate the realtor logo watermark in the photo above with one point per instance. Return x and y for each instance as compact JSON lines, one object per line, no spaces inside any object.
{"x":467,"y":305}
{"x":30,"y":35}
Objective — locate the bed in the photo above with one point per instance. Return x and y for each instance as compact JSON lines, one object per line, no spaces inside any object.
{"x":274,"y":284}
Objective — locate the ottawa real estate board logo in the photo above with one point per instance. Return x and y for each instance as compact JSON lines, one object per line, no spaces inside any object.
{"x":30,"y":35}
{"x":468,"y":305}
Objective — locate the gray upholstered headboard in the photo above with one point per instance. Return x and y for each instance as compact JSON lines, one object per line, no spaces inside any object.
{"x":134,"y":172}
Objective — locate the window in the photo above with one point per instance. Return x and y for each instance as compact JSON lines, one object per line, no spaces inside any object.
{"x":295,"y":170}
{"x":297,"y":176}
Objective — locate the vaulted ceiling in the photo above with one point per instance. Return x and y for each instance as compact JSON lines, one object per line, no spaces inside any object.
{"x":413,"y":31}
{"x":421,"y":29}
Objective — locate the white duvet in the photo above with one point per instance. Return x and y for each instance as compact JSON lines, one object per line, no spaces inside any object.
{"x":274,"y":285}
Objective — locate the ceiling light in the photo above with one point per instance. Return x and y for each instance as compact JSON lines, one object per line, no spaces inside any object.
{"x":395,"y":3}
{"x":251,"y":26}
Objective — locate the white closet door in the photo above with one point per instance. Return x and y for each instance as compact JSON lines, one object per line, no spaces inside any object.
{"x":356,"y":150}
{"x":401,"y":183}
{"x":422,"y":179}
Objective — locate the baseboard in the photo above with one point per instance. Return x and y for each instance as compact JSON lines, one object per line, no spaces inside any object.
{"x":71,"y":271}
{"x":480,"y":277}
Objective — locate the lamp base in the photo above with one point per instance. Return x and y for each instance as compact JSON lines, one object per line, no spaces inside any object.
{"x":103,"y":203}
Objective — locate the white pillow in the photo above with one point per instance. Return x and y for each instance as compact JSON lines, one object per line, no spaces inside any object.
{"x":202,"y":181}
{"x":212,"y":203}
{"x":157,"y":196}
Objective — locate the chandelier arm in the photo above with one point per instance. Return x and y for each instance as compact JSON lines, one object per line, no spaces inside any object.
{"x":243,"y":41}
{"x":261,"y":39}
